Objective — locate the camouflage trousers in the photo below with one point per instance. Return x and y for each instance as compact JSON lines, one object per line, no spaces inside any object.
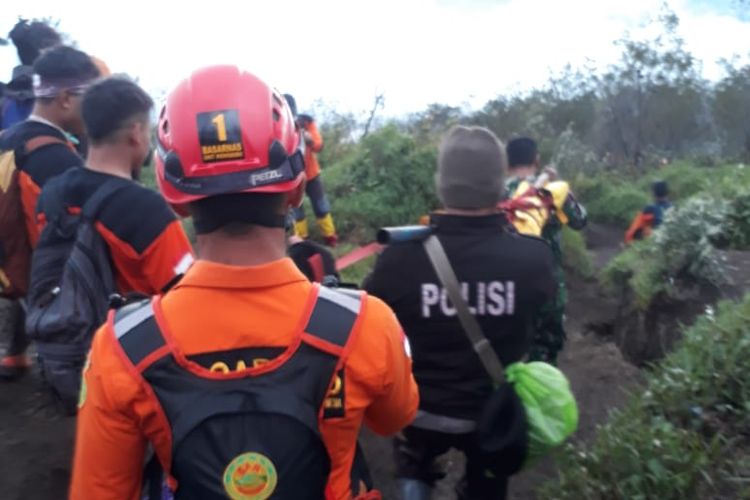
{"x":549,"y":337}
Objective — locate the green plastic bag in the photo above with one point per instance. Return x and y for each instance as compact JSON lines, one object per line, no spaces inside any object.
{"x":551,"y":408}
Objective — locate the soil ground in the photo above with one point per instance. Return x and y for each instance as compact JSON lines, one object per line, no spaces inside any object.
{"x":35,"y":446}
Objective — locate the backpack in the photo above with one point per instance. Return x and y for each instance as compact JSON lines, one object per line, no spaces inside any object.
{"x":15,"y":248}
{"x":246,"y":434}
{"x":531,"y":205}
{"x":70,"y":288}
{"x":315,"y":262}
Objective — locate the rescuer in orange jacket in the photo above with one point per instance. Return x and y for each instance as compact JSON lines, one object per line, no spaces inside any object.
{"x":246,"y":379}
{"x":313,"y":144}
{"x":651,"y":216}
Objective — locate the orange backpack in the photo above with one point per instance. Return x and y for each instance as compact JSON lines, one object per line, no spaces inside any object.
{"x":15,"y":248}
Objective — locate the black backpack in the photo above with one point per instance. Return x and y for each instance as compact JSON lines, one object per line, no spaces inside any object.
{"x":247,"y":435}
{"x":70,"y":288}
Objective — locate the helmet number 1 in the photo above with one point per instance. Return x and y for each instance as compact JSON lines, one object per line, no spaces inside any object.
{"x":220,"y":135}
{"x":221,"y":127}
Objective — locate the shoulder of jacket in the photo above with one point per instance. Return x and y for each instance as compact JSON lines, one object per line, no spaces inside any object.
{"x":528,"y":239}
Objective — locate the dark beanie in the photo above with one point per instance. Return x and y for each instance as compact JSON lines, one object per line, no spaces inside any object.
{"x":471,"y":165}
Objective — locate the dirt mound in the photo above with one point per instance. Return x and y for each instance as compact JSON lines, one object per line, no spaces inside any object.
{"x":647,"y":336}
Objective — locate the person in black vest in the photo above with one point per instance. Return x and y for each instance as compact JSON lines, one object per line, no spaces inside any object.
{"x":507,"y":278}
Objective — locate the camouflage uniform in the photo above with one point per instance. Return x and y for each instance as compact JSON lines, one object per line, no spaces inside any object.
{"x":550,"y":334}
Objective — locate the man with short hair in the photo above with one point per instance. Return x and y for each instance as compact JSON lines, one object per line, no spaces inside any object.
{"x":246,"y":379}
{"x":146,"y":241}
{"x":523,"y":170}
{"x":44,"y":146}
{"x":506,"y":278}
{"x":145,"y":245}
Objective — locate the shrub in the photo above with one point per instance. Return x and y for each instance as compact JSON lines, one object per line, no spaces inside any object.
{"x":736,"y":231}
{"x":609,"y":199}
{"x":684,"y":180}
{"x":681,"y":250}
{"x":576,"y":257}
{"x":387,"y":180}
{"x":678,"y":438}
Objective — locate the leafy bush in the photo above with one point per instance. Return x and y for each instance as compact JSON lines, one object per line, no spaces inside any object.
{"x":682,"y":249}
{"x":613,"y":198}
{"x":387,"y":180}
{"x":680,"y":437}
{"x":684,"y":180}
{"x":609,"y":199}
{"x":737,"y":222}
{"x":637,"y":269}
{"x":576,"y":257}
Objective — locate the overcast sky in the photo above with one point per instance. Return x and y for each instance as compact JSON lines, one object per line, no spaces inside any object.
{"x":345,"y":51}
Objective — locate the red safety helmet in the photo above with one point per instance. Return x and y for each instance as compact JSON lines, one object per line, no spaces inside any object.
{"x":221,"y":131}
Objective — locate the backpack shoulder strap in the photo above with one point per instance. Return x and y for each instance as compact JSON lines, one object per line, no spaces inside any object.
{"x":138,"y":334}
{"x":94,"y":204}
{"x":333,"y":317}
{"x":42,"y":140}
{"x":136,"y":330}
{"x":52,"y":203}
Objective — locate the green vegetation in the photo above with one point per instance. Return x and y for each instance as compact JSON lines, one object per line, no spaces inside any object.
{"x":682,"y":250}
{"x":684,"y":436}
{"x":613,"y":198}
{"x":576,"y":258}
{"x":387,"y":179}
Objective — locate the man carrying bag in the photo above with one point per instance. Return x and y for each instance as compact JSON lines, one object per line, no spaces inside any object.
{"x":506,"y":279}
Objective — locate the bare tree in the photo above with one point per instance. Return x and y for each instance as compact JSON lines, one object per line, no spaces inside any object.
{"x":378,"y":104}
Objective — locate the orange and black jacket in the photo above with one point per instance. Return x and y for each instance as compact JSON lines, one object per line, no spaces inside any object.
{"x":147,"y":243}
{"x":39,"y":166}
{"x":216,"y":317}
{"x":646,"y":221}
{"x":313,"y":146}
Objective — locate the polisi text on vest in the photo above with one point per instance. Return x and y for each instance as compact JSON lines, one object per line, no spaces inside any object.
{"x":496,"y":298}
